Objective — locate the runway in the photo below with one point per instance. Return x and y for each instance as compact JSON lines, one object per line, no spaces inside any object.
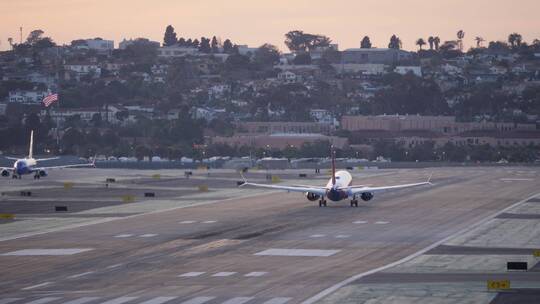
{"x":272,"y":248}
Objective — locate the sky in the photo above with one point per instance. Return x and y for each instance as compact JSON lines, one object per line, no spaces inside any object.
{"x":254,"y":22}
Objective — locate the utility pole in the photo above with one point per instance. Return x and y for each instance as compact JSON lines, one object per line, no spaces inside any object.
{"x":20,"y":33}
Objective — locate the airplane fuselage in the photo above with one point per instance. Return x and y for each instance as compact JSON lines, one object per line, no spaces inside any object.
{"x":24,"y":166}
{"x":335,"y":191}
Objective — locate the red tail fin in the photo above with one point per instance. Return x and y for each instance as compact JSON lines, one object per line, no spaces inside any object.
{"x":333,"y":166}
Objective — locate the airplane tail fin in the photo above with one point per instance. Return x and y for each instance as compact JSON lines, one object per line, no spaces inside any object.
{"x":333,"y":155}
{"x":31,"y":150}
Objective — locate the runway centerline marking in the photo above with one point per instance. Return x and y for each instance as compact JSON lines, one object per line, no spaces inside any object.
{"x":43,"y":300}
{"x":191,"y":274}
{"x":297,"y":252}
{"x":238,"y":300}
{"x":381,"y":223}
{"x":342,"y":236}
{"x":277,"y":301}
{"x":158,"y":300}
{"x":360,"y":222}
{"x":256,"y":274}
{"x":187,"y":222}
{"x":148,"y":235}
{"x":113,"y":266}
{"x":123,"y":235}
{"x":82,"y":300}
{"x":63,"y":251}
{"x":224,"y":274}
{"x":317,"y":235}
{"x":209,"y":222}
{"x":37,"y":286}
{"x":120,"y":300}
{"x":80,"y":275}
{"x":198,"y":300}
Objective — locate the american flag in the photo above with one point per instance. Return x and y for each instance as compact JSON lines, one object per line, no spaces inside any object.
{"x":50,"y":99}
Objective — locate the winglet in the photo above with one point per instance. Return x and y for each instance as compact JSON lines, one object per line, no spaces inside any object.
{"x":243,"y":179}
{"x":429,"y":178}
{"x":94,"y":161}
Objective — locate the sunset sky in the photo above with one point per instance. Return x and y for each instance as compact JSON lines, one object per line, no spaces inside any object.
{"x":256,"y":22}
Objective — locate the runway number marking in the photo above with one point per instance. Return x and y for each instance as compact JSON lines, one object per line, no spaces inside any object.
{"x":297,"y":252}
{"x":191,"y":274}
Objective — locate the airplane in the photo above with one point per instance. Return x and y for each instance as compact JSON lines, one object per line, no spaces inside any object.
{"x":338,"y":188}
{"x":28,"y":165}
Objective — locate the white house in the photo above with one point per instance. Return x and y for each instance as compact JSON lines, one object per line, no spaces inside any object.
{"x":77,"y":70}
{"x":246,"y":50}
{"x":98,"y":44}
{"x":207,"y":114}
{"x":218,"y":91}
{"x":289,"y":77}
{"x":415,"y":70}
{"x":27,"y":97}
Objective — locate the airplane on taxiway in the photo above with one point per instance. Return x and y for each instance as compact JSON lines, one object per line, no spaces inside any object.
{"x":338,"y":188}
{"x":28,"y":165}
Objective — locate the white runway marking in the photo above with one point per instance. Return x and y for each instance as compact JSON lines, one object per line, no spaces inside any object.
{"x":317,"y":235}
{"x":198,"y":300}
{"x":123,"y":235}
{"x":381,"y":223}
{"x":517,"y":179}
{"x":360,"y":222}
{"x":8,"y":300}
{"x":298,"y":252}
{"x":158,"y":300}
{"x":277,"y":301}
{"x":119,"y":300}
{"x":80,"y":275}
{"x":209,"y":222}
{"x":191,"y":274}
{"x":37,"y":286}
{"x":256,"y":274}
{"x":113,"y":266}
{"x":342,"y":236}
{"x":238,"y":300}
{"x":82,"y":300}
{"x":64,"y":251}
{"x":224,"y":274}
{"x":148,"y":235}
{"x":187,"y":222}
{"x":44,"y":300}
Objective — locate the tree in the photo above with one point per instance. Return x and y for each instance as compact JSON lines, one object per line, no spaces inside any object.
{"x":195,"y":43}
{"x":436,"y":41}
{"x":298,"y":41}
{"x":420,"y":42}
{"x":228,"y":47}
{"x":170,"y":36}
{"x":366,"y":43}
{"x":395,"y":43}
{"x":515,"y":40}
{"x":430,"y":41}
{"x":266,"y":54}
{"x":479,"y":41}
{"x":215,"y":45}
{"x":460,"y":35}
{"x":34,"y":37}
{"x":181,"y":41}
{"x":204,"y":45}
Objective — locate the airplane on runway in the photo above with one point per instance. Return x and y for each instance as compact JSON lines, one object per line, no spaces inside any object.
{"x":338,"y":188}
{"x":28,"y":165}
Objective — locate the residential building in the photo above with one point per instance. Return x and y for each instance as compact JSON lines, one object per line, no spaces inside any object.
{"x":375,"y":55}
{"x":272,"y":127}
{"x":176,"y":51}
{"x":403,"y":70}
{"x":26,"y":97}
{"x":279,"y":140}
{"x":78,"y":70}
{"x":289,"y":77}
{"x":97,"y":44}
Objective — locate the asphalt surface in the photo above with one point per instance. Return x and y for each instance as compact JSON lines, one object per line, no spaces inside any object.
{"x":272,"y":248}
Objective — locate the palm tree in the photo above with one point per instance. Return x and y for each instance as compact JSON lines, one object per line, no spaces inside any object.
{"x":436,"y":41}
{"x":430,"y":41}
{"x":10,"y":40}
{"x":514,"y":39}
{"x":420,"y":42}
{"x":479,"y":41}
{"x":460,"y":36}
{"x":395,"y":43}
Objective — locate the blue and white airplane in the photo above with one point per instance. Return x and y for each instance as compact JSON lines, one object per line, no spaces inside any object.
{"x":28,"y":165}
{"x":338,"y":188}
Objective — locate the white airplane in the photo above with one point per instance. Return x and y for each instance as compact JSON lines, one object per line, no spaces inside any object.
{"x":28,"y":165}
{"x":338,"y":188}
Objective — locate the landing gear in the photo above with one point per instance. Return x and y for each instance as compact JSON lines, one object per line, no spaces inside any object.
{"x":322,"y":202}
{"x":354,"y":203}
{"x":37,"y":176}
{"x":14,"y":176}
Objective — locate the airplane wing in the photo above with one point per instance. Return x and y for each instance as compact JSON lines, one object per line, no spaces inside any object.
{"x":44,"y":159}
{"x":6,"y":168}
{"x":12,"y":158}
{"x":314,"y":190}
{"x":92,"y":164}
{"x":356,"y":190}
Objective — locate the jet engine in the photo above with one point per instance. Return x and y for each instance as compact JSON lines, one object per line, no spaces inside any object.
{"x":312,"y":196}
{"x":5,"y":172}
{"x":42,"y":173}
{"x":366,"y":196}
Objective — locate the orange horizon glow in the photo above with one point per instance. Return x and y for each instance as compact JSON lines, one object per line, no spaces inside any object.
{"x":255,"y":23}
